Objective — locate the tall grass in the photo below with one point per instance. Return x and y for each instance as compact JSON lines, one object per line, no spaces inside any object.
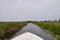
{"x":51,"y":27}
{"x":7,"y":29}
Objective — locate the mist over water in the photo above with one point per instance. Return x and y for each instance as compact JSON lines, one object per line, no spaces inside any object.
{"x":21,"y":10}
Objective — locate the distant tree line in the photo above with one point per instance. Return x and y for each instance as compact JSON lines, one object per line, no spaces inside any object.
{"x":45,"y":21}
{"x":53,"y":20}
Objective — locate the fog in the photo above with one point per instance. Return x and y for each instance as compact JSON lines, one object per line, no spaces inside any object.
{"x":21,"y":10}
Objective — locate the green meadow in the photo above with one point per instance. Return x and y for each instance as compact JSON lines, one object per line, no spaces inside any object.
{"x":7,"y":29}
{"x":53,"y":28}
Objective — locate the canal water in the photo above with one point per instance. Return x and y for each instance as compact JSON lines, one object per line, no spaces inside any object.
{"x":35,"y":30}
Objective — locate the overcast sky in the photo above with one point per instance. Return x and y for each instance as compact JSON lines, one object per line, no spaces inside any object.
{"x":20,"y":10}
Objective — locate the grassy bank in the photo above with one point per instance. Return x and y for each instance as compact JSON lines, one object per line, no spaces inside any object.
{"x":52,"y":28}
{"x":7,"y":29}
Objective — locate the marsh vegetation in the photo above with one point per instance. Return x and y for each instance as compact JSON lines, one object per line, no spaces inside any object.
{"x":7,"y":29}
{"x":51,"y":27}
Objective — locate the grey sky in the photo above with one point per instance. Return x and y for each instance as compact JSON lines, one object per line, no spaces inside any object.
{"x":20,"y":10}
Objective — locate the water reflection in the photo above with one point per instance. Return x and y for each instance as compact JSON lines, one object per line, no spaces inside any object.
{"x":35,"y":30}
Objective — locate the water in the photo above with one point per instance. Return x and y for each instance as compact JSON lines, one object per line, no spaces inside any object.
{"x":35,"y":30}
